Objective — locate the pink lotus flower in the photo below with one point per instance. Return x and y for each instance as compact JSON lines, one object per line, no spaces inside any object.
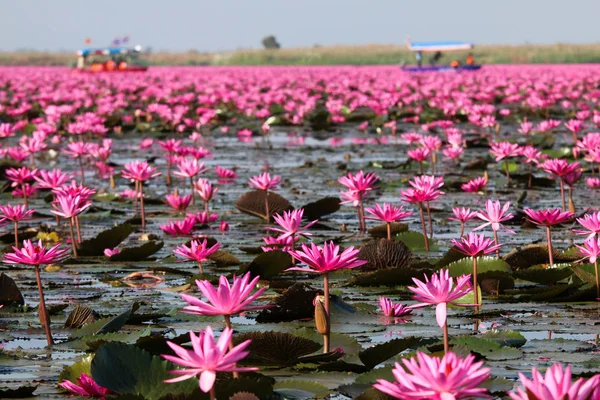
{"x":264,"y":181}
{"x":463,"y":215}
{"x":276,"y":243}
{"x":111,"y":252}
{"x":35,"y":254}
{"x":532,"y":155}
{"x":226,"y":174}
{"x":146,"y":143}
{"x":206,"y":191}
{"x":360,"y":182}
{"x":390,"y":309}
{"x":86,"y":387}
{"x":14,"y":214}
{"x":591,"y":222}
{"x":548,"y":217}
{"x":198,"y":251}
{"x":51,"y":179}
{"x":68,"y":206}
{"x":290,"y":222}
{"x":189,"y":168}
{"x":574,"y":126}
{"x":590,"y":249}
{"x":6,"y":130}
{"x":556,"y":384}
{"x":440,"y":291}
{"x":475,"y":245}
{"x":494,"y":215}
{"x":502,"y":150}
{"x":411,"y":137}
{"x":475,"y":185}
{"x":74,"y":190}
{"x":179,"y":228}
{"x":412,"y":195}
{"x":388,"y":213}
{"x":419,"y":154}
{"x":226,"y":299}
{"x":322,"y":260}
{"x":18,"y":176}
{"x":203,"y":217}
{"x":432,"y":378}
{"x":207,"y":358}
{"x":223,"y":226}
{"x":593,"y":183}
{"x":453,"y":153}
{"x":177,"y":202}
{"x":139,"y":171}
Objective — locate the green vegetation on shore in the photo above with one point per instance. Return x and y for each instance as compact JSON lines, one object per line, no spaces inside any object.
{"x":339,"y":55}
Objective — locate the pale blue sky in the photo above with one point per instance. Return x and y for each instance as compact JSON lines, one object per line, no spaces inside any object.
{"x":230,"y":24}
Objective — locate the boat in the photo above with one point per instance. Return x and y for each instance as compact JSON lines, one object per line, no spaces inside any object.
{"x":109,"y":59}
{"x":437,"y":48}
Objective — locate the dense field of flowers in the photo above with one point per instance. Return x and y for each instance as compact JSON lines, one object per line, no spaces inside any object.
{"x":354,"y":232}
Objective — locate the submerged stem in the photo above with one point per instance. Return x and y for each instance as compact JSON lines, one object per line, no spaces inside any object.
{"x":326,"y":337}
{"x":550,"y":256}
{"x":42,"y":310}
{"x":423,"y":226}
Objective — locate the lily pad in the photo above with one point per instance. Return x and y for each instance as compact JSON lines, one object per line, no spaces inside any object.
{"x":275,"y":348}
{"x":80,"y":316}
{"x":73,"y":372}
{"x":415,"y":241}
{"x":224,"y":258}
{"x":585,"y":272}
{"x":321,"y":207}
{"x":293,"y":304}
{"x":269,"y":264}
{"x":377,"y":354}
{"x":488,"y":349}
{"x":138,"y":253}
{"x":505,"y":337}
{"x":105,"y":325}
{"x":383,"y":253}
{"x":484,"y":264}
{"x":546,"y":276}
{"x":126,"y":369}
{"x":107,"y":239}
{"x":9,"y":292}
{"x":296,"y":389}
{"x":22,"y":392}
{"x":380,"y":231}
{"x":534,"y":254}
{"x":253,"y":203}
{"x":387,"y":277}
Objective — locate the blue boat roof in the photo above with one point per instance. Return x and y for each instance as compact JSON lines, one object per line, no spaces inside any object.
{"x":440,"y":46}
{"x":106,"y":51}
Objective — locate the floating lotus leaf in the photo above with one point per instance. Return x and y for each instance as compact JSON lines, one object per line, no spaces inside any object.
{"x":338,"y":340}
{"x":107,"y":239}
{"x":373,"y":394}
{"x":546,"y":276}
{"x":259,"y":385}
{"x":377,"y":354}
{"x":505,"y":337}
{"x":74,"y":371}
{"x":534,"y":254}
{"x":80,"y":316}
{"x":293,"y":304}
{"x":139,"y":253}
{"x":157,"y":344}
{"x":494,"y":275}
{"x":451,"y":256}
{"x":498,"y":386}
{"x":296,"y":389}
{"x":22,"y":392}
{"x":243,"y":396}
{"x":253,"y":203}
{"x":378,"y":373}
{"x":585,"y":272}
{"x":269,"y":264}
{"x":380,"y":231}
{"x":224,"y":258}
{"x":127,"y":369}
{"x":105,"y":325}
{"x":320,"y":208}
{"x":9,"y":292}
{"x":276,"y":348}
{"x":383,"y":253}
{"x":24,"y":234}
{"x":388,"y":277}
{"x":488,"y":349}
{"x":415,"y":241}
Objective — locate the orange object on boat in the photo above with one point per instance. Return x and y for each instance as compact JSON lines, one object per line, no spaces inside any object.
{"x":97,"y":67}
{"x":110,"y":65}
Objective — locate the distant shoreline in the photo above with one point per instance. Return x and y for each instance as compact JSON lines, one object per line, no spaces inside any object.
{"x":338,"y":55}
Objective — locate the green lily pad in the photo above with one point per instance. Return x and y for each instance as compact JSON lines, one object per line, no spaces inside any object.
{"x":488,"y":349}
{"x":107,"y":239}
{"x":484,"y":264}
{"x":377,"y":354}
{"x":585,"y":272}
{"x":268,"y":265}
{"x":378,"y":373}
{"x":22,"y":392}
{"x":275,"y":348}
{"x":105,"y":325}
{"x":74,"y":371}
{"x":296,"y":389}
{"x":546,"y":276}
{"x":321,"y":207}
{"x":534,"y":254}
{"x":383,"y":253}
{"x":387,"y":277}
{"x":138,"y":253}
{"x":505,"y":337}
{"x":380,"y":231}
{"x":338,"y":340}
{"x":415,"y":241}
{"x":224,"y":258}
{"x":126,"y":369}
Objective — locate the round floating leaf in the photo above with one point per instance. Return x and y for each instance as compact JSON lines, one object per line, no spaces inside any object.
{"x":293,"y":304}
{"x":488,"y":349}
{"x":380,"y":231}
{"x":377,"y":354}
{"x":415,"y":241}
{"x":484,"y":264}
{"x":295,"y":389}
{"x":275,"y":348}
{"x":253,"y":203}
{"x":383,"y":253}
{"x":269,"y":264}
{"x":338,"y":340}
{"x":373,"y":394}
{"x":80,"y":316}
{"x":321,"y":207}
{"x":546,"y":276}
{"x":452,"y":255}
{"x":73,"y":372}
{"x":387,"y":277}
{"x":585,"y":272}
{"x":9,"y":292}
{"x":498,"y":386}
{"x":224,"y":258}
{"x":22,"y":392}
{"x":534,"y":254}
{"x":257,"y":384}
{"x":138,"y":253}
{"x":126,"y":369}
{"x":107,"y":239}
{"x":378,"y":373}
{"x":505,"y":337}
{"x":105,"y":325}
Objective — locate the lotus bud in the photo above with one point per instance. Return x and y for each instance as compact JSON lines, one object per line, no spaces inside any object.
{"x":321,"y":317}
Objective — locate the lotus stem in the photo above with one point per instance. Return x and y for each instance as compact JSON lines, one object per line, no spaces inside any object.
{"x":16,"y":234}
{"x":78,"y":229}
{"x":42,"y":311}
{"x":212,"y":394}
{"x":25,"y":200}
{"x":530,"y":181}
{"x":462,"y":229}
{"x":228,"y":325}
{"x":597,"y":279}
{"x":496,"y":243}
{"x":206,"y":207}
{"x":571,"y":202}
{"x":327,"y":336}
{"x":429,"y":220}
{"x":433,"y":162}
{"x":73,"y":243}
{"x":82,"y":172}
{"x":506,"y":169}
{"x":423,"y":227}
{"x":142,"y":209}
{"x":200,"y":268}
{"x":420,"y":167}
{"x":137,"y":192}
{"x":445,"y":332}
{"x":267,"y":214}
{"x":169,"y":172}
{"x":548,"y":235}
{"x":193,"y":191}
{"x":562,"y":194}
{"x":475,"y":286}
{"x":361,"y":216}
{"x":389,"y":231}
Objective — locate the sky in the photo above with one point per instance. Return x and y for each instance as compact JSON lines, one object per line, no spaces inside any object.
{"x":223,"y":25}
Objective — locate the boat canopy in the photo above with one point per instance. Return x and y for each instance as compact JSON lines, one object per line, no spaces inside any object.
{"x":108,"y":51}
{"x":439,"y":46}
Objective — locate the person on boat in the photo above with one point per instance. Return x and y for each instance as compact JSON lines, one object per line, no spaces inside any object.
{"x":110,"y":65}
{"x":470,"y":59}
{"x":122,"y":65}
{"x":419,"y":57}
{"x":455,"y":64}
{"x":435,"y":58}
